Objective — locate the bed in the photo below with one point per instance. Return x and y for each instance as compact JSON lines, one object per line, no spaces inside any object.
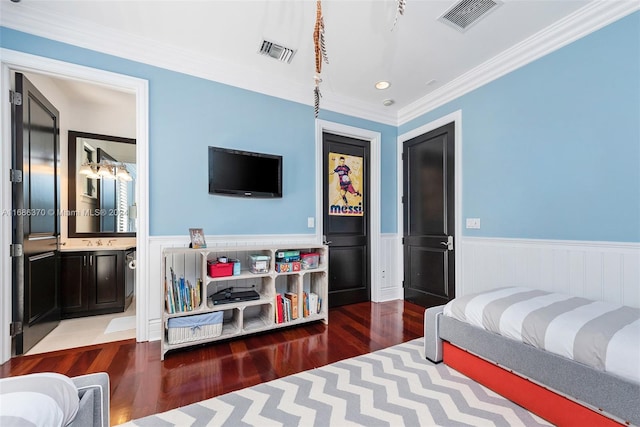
{"x":571,"y":360}
{"x":52,"y":399}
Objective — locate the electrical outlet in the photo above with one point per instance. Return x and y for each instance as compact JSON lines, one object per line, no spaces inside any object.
{"x":473,"y":223}
{"x":311,"y":222}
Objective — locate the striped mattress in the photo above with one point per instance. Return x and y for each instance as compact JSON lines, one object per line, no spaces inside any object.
{"x":599,"y":334}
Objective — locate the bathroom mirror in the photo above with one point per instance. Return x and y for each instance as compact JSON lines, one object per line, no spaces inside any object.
{"x":102,"y":177}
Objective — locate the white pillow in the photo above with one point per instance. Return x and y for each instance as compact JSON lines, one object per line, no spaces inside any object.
{"x":45,"y":399}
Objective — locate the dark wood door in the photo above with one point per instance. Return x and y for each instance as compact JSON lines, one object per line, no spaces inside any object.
{"x":429,"y":217}
{"x":35,"y":223}
{"x":346,"y":218}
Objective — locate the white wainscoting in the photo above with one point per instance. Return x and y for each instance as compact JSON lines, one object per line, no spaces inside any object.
{"x":606,"y":271}
{"x":390,"y":268}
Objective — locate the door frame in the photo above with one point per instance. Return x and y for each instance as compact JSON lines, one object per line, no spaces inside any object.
{"x":11,"y":60}
{"x":456,"y":118}
{"x":374,"y":139}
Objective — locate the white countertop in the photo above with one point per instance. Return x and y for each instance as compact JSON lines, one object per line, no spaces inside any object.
{"x":113,"y":247}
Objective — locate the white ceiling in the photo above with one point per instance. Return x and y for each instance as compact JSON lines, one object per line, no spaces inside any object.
{"x":220,"y":40}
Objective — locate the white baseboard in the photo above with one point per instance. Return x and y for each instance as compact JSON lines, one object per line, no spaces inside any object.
{"x":390,"y":294}
{"x":155,"y":330}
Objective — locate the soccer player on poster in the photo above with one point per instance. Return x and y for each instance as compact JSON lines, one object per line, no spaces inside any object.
{"x":344,"y":176}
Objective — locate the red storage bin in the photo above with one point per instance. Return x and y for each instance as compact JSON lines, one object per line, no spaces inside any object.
{"x":219,"y":269}
{"x":310,"y":260}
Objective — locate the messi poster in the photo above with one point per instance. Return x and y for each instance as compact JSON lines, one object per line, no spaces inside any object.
{"x":345,"y":185}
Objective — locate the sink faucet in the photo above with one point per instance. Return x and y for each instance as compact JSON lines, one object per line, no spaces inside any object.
{"x":99,"y":242}
{"x":88,"y":242}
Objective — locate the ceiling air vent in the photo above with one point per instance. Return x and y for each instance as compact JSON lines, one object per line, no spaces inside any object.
{"x":465,"y":13}
{"x":281,"y":53}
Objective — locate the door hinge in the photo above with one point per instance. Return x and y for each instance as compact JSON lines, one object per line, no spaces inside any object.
{"x":15,"y":98}
{"x":15,"y":249}
{"x":402,"y":199}
{"x":15,"y":328}
{"x":403,"y":240}
{"x":15,"y":175}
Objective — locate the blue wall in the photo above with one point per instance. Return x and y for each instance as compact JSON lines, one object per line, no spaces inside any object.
{"x":187,"y":114}
{"x":552,"y":150}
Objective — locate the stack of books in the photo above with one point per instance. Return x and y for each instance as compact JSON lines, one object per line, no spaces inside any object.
{"x":287,"y":307}
{"x":181,"y":295}
{"x":311,"y":304}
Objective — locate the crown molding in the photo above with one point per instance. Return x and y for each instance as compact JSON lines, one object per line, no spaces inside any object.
{"x":595,"y":15}
{"x":586,"y":20}
{"x":345,"y":105}
{"x":22,"y":17}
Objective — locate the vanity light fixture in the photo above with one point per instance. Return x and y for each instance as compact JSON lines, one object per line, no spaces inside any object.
{"x":123,"y":174}
{"x":105,"y":170}
{"x":86,"y":169}
{"x":382,"y":85}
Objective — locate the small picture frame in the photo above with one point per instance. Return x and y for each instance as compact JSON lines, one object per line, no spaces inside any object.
{"x":197,"y":238}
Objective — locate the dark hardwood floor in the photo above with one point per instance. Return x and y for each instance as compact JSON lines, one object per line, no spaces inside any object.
{"x":141,"y":384}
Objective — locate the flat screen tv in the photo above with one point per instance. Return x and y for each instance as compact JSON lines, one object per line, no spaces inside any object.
{"x":244,"y":173}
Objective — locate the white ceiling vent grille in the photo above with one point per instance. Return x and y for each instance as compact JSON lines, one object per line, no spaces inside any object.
{"x":281,"y":53}
{"x":466,"y":13}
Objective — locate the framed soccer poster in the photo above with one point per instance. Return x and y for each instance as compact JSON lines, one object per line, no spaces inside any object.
{"x":346,"y":185}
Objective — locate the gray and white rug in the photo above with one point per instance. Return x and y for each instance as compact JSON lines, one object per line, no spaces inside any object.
{"x":396,"y":386}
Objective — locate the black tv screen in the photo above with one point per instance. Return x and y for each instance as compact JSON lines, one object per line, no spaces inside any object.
{"x":244,"y":174}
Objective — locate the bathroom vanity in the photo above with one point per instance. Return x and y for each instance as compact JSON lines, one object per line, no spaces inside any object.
{"x":96,"y":280}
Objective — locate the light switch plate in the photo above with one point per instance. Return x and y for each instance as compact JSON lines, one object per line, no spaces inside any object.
{"x":311,"y":222}
{"x":473,"y":222}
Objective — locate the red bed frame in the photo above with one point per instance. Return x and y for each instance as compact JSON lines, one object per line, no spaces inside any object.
{"x":543,"y":402}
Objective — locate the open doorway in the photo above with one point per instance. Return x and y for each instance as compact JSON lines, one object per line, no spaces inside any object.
{"x":89,"y":265}
{"x":62,"y":77}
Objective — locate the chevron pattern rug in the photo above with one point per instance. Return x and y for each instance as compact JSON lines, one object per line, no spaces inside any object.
{"x":396,"y":386}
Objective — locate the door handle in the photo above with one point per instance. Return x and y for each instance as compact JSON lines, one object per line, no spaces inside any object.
{"x":448,"y":243}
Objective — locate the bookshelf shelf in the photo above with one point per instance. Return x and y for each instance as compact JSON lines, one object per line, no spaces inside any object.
{"x":187,"y":268}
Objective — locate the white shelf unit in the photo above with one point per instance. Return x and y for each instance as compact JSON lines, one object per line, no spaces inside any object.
{"x":244,"y":317}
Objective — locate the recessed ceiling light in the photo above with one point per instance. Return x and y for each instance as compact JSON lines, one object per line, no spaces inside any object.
{"x":383,"y":84}
{"x":431,"y":82}
{"x":388,"y":102}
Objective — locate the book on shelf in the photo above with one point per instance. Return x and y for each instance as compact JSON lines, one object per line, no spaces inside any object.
{"x":279,"y":309}
{"x":293,"y":298}
{"x":180,"y":294}
{"x":313,"y":303}
{"x":287,"y":309}
{"x":305,"y":304}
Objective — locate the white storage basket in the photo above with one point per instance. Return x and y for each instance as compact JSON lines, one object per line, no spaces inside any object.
{"x":194,"y":328}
